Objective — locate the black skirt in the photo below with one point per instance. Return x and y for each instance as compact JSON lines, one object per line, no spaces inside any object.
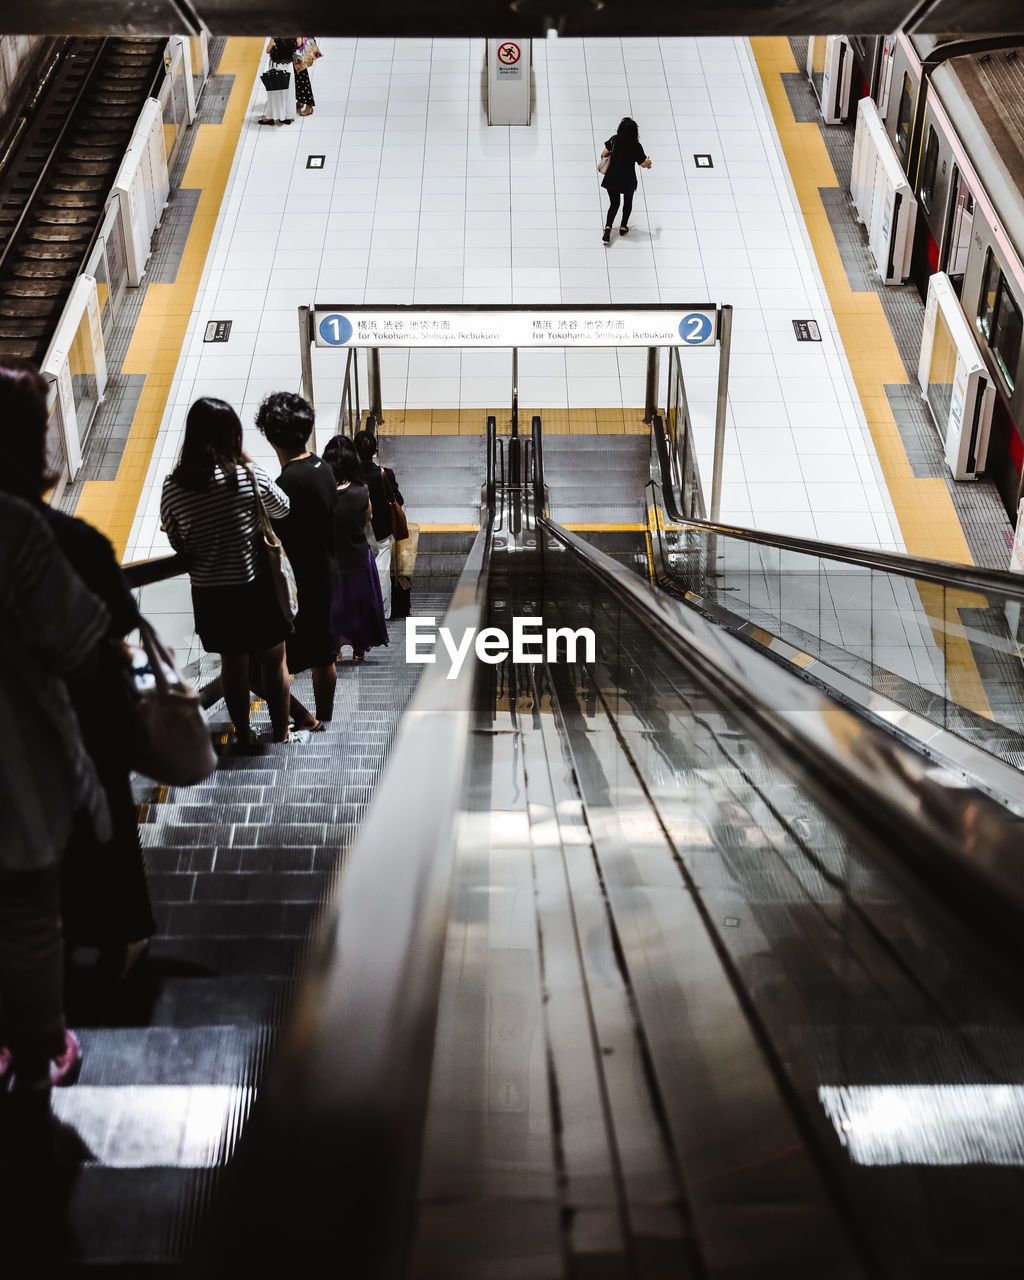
{"x":238,"y":619}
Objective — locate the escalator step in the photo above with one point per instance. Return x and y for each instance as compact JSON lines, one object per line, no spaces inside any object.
{"x":21,"y":307}
{"x":59,"y":217}
{"x":59,"y":233}
{"x":48,"y":251}
{"x":24,"y":349}
{"x":23,"y":328}
{"x":45,"y":270}
{"x":32,"y":288}
{"x":73,"y":183}
{"x":69,"y":200}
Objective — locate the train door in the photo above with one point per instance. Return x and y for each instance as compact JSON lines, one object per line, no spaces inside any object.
{"x":958,"y":235}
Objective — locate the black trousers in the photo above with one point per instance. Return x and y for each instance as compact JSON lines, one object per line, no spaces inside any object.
{"x":613,"y":207}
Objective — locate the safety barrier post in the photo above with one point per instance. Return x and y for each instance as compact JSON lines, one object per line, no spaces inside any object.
{"x":724,"y":346}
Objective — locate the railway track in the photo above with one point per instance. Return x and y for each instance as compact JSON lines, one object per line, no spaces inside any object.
{"x":53,"y":192}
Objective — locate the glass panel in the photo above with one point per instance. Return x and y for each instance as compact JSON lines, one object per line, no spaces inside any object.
{"x":818,"y":64}
{"x":117,"y":261}
{"x":1006,"y":342}
{"x":167,"y":106}
{"x":940,"y":373}
{"x":987,"y":306}
{"x":947,"y":655}
{"x":55,"y":457}
{"x":931,"y":161}
{"x":82,"y":363}
{"x":905,"y":115}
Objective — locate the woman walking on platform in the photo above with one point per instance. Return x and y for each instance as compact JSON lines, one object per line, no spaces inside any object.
{"x":624,"y":153}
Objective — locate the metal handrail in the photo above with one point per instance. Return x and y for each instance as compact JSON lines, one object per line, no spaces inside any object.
{"x":945,"y":573}
{"x":142,"y":573}
{"x":956,"y":838}
{"x":537,"y":433}
{"x":490,"y":493}
{"x":331,"y":1154}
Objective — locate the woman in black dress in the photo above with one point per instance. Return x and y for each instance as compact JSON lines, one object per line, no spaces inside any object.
{"x":625,"y":154}
{"x":104,"y":896}
{"x":357,"y":608}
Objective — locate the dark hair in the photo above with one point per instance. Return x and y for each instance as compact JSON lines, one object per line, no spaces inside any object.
{"x":627,"y":131}
{"x":23,"y":421}
{"x":286,"y":419}
{"x":340,"y":455}
{"x":284,"y":49}
{"x":366,"y":445}
{"x":213,"y":438}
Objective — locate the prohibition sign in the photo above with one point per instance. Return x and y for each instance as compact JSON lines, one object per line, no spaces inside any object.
{"x":508,"y":54}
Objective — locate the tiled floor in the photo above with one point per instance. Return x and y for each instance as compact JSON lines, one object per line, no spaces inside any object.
{"x":420,"y":201}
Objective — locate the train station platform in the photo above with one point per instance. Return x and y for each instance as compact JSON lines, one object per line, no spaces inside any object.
{"x":579,"y":883}
{"x":418,"y":200}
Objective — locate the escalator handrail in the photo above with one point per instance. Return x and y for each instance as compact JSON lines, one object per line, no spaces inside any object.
{"x":946,"y":573}
{"x":142,"y":573}
{"x":930,"y":820}
{"x":330,"y":1159}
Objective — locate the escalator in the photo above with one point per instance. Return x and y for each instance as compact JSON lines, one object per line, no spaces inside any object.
{"x":650,"y":961}
{"x":55,"y":184}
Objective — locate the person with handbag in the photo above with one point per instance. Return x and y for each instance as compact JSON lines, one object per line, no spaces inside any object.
{"x":212,"y":509}
{"x":52,"y":630}
{"x":357,"y":607}
{"x":104,"y":896}
{"x":306,"y":53}
{"x":277,"y":79}
{"x":384,"y":493}
{"x":286,"y":419}
{"x":623,"y":152}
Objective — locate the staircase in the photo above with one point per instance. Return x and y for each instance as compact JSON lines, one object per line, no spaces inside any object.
{"x":239,"y":869}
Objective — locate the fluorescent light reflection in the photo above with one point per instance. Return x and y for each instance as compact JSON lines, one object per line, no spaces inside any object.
{"x":934,"y":1124}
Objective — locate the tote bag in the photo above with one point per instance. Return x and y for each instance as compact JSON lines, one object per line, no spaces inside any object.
{"x":168,"y":740}
{"x":281,"y":572}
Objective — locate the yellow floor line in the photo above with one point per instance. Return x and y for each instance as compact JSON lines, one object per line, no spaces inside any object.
{"x":924,"y":508}
{"x":110,"y":505}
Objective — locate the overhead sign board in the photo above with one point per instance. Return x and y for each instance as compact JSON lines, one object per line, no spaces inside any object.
{"x":695,"y":326}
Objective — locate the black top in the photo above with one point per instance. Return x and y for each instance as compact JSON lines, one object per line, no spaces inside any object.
{"x":308,"y":530}
{"x":621,"y":175}
{"x":350,"y":545}
{"x":92,"y":557}
{"x":381,"y":509}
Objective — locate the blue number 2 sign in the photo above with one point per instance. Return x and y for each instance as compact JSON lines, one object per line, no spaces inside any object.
{"x":695,"y":328}
{"x":335,"y":329}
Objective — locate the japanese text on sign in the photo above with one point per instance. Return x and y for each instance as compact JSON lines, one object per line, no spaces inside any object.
{"x":691,"y":326}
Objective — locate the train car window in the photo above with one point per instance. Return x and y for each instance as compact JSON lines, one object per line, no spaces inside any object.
{"x":931,"y":163}
{"x":1009,"y":327}
{"x":989,"y":290}
{"x":906,"y":113}
{"x":1000,"y":320}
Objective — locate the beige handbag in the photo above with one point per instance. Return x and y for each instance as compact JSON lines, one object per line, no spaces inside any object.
{"x":168,"y":739}
{"x":281,"y":572}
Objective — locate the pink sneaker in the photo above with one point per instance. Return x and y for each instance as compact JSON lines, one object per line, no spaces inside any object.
{"x":65,"y":1069}
{"x":6,"y":1062}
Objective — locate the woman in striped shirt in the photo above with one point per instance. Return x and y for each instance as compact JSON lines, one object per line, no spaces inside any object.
{"x":209,"y":512}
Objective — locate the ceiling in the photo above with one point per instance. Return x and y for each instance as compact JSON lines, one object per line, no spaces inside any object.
{"x":508,"y":17}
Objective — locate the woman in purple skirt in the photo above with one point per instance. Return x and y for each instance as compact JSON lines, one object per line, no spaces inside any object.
{"x":357,"y":608}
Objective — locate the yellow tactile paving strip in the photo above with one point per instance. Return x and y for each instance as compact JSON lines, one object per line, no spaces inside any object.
{"x":927,"y":517}
{"x":160,"y":333}
{"x":472,"y":422}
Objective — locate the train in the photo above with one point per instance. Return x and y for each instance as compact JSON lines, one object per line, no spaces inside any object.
{"x":953,"y":109}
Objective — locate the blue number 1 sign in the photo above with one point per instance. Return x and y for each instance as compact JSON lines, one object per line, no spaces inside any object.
{"x":335,"y":329}
{"x":695,"y":328}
